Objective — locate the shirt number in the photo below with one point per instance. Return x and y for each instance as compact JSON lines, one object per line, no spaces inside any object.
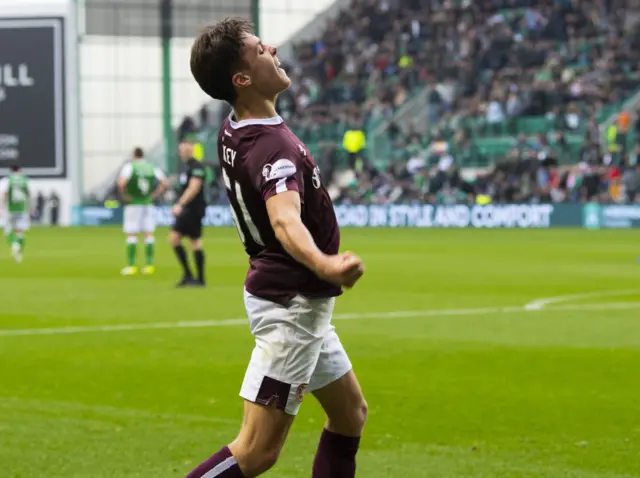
{"x":17,"y":195}
{"x":252,"y":230}
{"x":143,"y":185}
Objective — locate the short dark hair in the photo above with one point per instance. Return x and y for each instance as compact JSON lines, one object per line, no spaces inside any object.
{"x":138,"y":153}
{"x":216,"y":55}
{"x":15,"y":168}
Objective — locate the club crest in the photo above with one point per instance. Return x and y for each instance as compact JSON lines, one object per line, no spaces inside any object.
{"x":302,"y":391}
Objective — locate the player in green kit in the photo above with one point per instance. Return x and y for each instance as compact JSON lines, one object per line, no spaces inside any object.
{"x":14,"y":194}
{"x":136,"y":185}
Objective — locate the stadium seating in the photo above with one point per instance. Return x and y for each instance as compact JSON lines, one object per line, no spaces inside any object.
{"x":463,"y":84}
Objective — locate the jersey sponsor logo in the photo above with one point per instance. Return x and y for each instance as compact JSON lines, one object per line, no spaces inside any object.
{"x":315,"y":178}
{"x":183,"y":178}
{"x":282,"y":168}
{"x":301,"y":391}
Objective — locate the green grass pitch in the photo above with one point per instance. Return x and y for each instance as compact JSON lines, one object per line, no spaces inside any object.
{"x":461,"y":379}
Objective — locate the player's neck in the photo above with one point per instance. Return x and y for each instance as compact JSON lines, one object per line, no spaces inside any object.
{"x":256,"y":110}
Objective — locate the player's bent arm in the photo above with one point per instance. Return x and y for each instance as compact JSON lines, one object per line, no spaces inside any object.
{"x":163,"y":184}
{"x":193,"y":188}
{"x":284,"y":215}
{"x":122,"y":188}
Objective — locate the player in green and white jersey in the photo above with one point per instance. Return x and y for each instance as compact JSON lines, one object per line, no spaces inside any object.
{"x":14,"y":198}
{"x":136,"y":185}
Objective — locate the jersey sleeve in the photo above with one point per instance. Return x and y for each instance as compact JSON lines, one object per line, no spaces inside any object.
{"x":274,"y":168}
{"x":126,"y":171}
{"x":197,"y":171}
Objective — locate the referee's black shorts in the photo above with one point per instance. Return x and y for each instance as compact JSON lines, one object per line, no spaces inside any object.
{"x":189,"y":224}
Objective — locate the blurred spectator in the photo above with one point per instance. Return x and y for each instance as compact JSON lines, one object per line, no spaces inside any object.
{"x":354,"y":142}
{"x":40,"y":202}
{"x":631,"y":182}
{"x":54,"y":208}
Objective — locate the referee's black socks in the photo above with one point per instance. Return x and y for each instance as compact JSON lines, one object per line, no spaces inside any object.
{"x":198,"y":255}
{"x":181,"y":254}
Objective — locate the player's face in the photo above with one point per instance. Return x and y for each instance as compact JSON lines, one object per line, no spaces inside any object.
{"x":264,"y":67}
{"x":185,"y":150}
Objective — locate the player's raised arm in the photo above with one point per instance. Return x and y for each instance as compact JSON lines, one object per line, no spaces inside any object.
{"x":284,"y":214}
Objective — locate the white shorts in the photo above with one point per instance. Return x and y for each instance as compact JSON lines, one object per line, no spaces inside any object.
{"x":138,"y":219}
{"x":297,"y":351}
{"x":17,"y":221}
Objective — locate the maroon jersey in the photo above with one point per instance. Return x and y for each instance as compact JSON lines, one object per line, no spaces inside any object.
{"x":259,"y":159}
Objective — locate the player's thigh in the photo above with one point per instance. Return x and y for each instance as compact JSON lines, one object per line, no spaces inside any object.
{"x":335,"y":386}
{"x":132,"y":219}
{"x":149,"y":220}
{"x":288,"y":340}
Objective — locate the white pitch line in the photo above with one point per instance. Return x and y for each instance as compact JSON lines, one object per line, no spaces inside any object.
{"x":542,"y":303}
{"x":353,"y":316}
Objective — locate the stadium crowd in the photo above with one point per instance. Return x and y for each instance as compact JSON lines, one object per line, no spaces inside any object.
{"x":517,"y":93}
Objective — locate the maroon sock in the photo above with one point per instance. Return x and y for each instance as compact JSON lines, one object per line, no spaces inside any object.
{"x":221,"y":465}
{"x":336,"y":456}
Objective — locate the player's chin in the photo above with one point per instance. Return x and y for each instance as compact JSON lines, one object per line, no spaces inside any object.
{"x":283,"y":79}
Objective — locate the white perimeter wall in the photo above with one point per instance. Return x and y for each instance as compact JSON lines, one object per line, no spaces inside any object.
{"x":121,"y":88}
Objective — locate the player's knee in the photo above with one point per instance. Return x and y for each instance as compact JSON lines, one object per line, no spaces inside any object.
{"x":196,"y":244}
{"x":174,"y":238}
{"x":255,"y":459}
{"x":352,"y":420}
{"x":361,"y":414}
{"x":358,"y":416}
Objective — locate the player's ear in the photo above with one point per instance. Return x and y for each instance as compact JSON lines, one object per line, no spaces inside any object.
{"x":241,"y":80}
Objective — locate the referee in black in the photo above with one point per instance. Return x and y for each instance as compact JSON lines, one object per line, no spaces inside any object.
{"x":189,"y":210}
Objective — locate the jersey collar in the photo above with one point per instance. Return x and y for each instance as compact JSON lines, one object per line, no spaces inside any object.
{"x":276,"y":120}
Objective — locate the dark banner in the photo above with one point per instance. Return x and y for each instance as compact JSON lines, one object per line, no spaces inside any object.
{"x":32,"y":126}
{"x":522,"y":216}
